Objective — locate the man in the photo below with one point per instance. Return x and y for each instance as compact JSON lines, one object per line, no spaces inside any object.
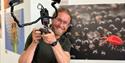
{"x":52,"y":47}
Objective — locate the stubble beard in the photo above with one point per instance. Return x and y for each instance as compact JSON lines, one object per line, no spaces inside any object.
{"x":58,"y":31}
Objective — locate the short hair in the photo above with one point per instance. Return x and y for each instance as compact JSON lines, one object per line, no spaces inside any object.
{"x":63,"y":9}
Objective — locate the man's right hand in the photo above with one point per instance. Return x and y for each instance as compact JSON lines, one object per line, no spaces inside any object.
{"x":36,"y":35}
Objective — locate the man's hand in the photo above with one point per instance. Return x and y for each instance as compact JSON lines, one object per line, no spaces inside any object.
{"x":49,"y":38}
{"x":36,"y":35}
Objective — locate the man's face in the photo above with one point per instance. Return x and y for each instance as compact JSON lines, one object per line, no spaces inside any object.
{"x":61,"y":23}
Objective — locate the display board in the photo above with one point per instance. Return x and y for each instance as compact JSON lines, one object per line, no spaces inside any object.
{"x":14,"y":36}
{"x":98,"y":31}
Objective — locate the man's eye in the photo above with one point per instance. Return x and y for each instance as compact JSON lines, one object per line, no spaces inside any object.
{"x":59,"y":19}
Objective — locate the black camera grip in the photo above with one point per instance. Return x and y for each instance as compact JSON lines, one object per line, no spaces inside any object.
{"x":44,"y":30}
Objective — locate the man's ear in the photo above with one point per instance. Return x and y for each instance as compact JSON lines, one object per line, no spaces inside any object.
{"x":69,"y":28}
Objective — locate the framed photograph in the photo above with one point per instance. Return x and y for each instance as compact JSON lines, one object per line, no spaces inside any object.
{"x":0,"y":27}
{"x":14,"y":36}
{"x":6,"y":2}
{"x":98,"y":31}
{"x":0,"y":4}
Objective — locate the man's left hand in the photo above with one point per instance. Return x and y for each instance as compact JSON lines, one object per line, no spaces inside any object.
{"x":49,"y":38}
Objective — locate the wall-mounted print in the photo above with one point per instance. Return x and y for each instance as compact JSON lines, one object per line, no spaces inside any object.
{"x":0,"y":4}
{"x":14,"y":36}
{"x":0,"y":27}
{"x":6,"y":2}
{"x":98,"y":31}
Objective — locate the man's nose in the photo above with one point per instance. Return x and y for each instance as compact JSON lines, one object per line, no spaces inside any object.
{"x":61,"y":24}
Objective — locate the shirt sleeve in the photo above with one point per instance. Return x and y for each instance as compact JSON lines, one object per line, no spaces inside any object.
{"x":67,"y":45}
{"x":28,"y":41}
